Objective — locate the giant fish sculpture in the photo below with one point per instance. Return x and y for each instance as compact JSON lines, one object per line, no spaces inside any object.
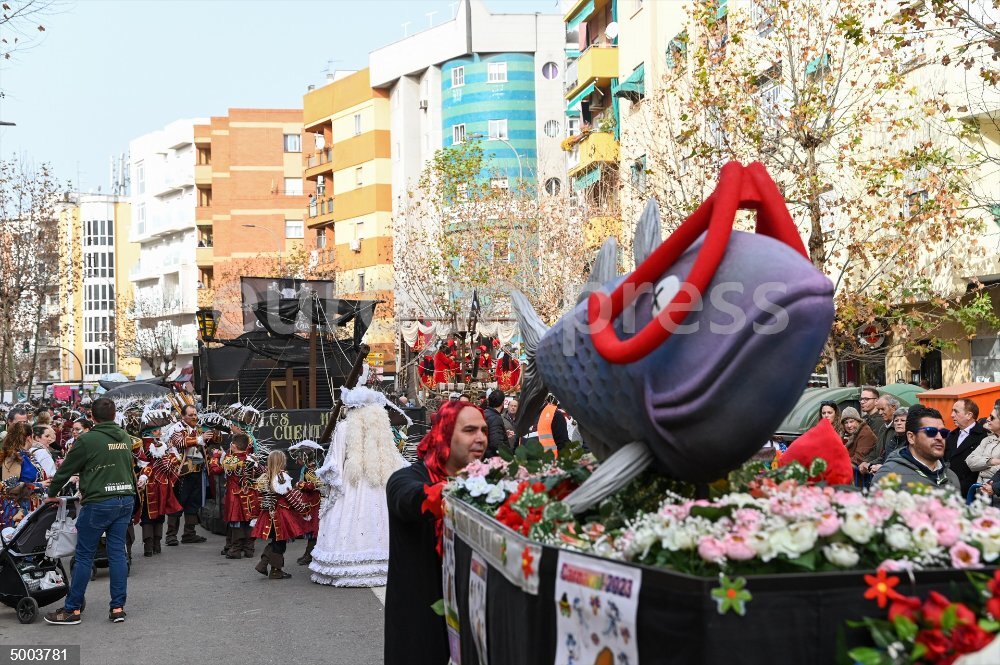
{"x":692,"y":360}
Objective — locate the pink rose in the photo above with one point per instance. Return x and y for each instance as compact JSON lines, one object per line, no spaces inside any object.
{"x":711,"y":549}
{"x":829,"y":523}
{"x":736,"y":547}
{"x":948,"y":534}
{"x":964,"y":555}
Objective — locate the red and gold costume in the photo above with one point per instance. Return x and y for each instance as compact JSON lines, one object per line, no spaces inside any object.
{"x":425,"y":368}
{"x":242,"y":500}
{"x":160,"y":464}
{"x":283,"y":510}
{"x":444,"y":368}
{"x":508,"y":372}
{"x":308,"y":486}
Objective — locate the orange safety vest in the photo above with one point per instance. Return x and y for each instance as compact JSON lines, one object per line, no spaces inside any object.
{"x":544,"y":429}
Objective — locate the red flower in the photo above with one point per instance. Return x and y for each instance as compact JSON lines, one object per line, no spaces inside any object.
{"x":936,"y":643}
{"x":526,"y":560}
{"x":433,"y":503}
{"x":562,"y":490}
{"x":970,"y":638}
{"x":906,"y":606}
{"x":882,"y":587}
{"x":538,"y":488}
{"x":994,"y":584}
{"x":936,"y":604}
{"x":993,"y":607}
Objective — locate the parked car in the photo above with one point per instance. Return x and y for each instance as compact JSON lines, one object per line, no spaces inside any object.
{"x":806,"y":412}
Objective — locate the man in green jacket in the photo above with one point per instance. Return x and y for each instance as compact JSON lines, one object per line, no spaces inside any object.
{"x":103,"y":460}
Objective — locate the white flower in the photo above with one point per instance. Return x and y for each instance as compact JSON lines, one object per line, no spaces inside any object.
{"x":925,"y":537}
{"x":857,"y":526}
{"x":898,"y":537}
{"x":990,"y":543}
{"x":642,"y":539}
{"x":795,"y":539}
{"x":477,"y":486}
{"x":841,"y":554}
{"x":496,"y":494}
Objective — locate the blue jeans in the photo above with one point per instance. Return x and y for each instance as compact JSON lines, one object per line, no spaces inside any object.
{"x":111,"y":516}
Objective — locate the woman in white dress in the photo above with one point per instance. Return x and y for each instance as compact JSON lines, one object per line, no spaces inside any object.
{"x":352,"y":547}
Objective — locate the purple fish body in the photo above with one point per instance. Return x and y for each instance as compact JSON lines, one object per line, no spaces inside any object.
{"x":706,"y":399}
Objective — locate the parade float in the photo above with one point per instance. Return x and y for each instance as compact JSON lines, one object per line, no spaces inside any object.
{"x":668,"y":542}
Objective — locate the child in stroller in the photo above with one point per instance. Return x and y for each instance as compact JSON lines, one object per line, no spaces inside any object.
{"x":28,"y":578}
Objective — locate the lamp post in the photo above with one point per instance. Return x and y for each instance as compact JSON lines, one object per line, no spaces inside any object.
{"x":208,"y":325}
{"x":277,"y":241}
{"x":520,"y":172}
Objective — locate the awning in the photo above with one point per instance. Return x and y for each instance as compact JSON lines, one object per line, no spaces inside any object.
{"x":586,"y":92}
{"x":634,"y":87}
{"x":580,"y":16}
{"x":587,"y":179}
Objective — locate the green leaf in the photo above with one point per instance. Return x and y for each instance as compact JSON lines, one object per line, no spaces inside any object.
{"x":869,"y":656}
{"x":807,"y":560}
{"x":949,"y":618}
{"x":989,"y":625}
{"x":438,"y":607}
{"x":505,"y":454}
{"x":919,"y":651}
{"x":905,"y":629}
{"x":712,"y":513}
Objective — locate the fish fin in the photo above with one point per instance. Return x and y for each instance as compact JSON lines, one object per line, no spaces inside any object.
{"x":533,"y":390}
{"x":531,"y":325}
{"x":604,"y":270}
{"x":647,"y":232}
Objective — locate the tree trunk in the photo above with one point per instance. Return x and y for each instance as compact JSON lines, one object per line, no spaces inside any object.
{"x":817,"y":251}
{"x":832,"y":372}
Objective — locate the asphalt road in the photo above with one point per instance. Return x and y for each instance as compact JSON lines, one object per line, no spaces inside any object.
{"x":191,"y":606}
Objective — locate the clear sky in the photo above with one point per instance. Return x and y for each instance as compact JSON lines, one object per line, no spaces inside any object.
{"x":106,"y":72}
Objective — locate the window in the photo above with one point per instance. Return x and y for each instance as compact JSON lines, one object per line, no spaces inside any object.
{"x":498,"y":129}
{"x":770,"y":95}
{"x":496,"y":72}
{"x":572,"y":126}
{"x":550,"y":70}
{"x":499,"y":183}
{"x":361,"y":281}
{"x":140,"y":177}
{"x":140,"y":217}
{"x":359,"y":179}
{"x":319,"y":141}
{"x":458,"y":133}
{"x":553,"y":186}
{"x":320,"y":186}
{"x":458,"y":77}
{"x":294,"y":228}
{"x":552,"y":128}
{"x":357,"y":124}
{"x":320,"y":238}
{"x":293,"y":186}
{"x":293,"y":143}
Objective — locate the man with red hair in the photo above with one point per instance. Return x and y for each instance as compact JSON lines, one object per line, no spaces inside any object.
{"x":413,"y":632}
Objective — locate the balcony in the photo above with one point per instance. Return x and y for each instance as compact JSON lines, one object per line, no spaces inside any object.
{"x":595,"y":147}
{"x":595,"y":67}
{"x":319,"y":162}
{"x":204,"y":257}
{"x":320,"y":212}
{"x":203,"y":174}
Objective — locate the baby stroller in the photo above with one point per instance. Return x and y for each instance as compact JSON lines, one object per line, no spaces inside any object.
{"x":28,"y":578}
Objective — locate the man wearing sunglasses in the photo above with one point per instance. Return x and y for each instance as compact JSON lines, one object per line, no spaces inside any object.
{"x":920,"y":462}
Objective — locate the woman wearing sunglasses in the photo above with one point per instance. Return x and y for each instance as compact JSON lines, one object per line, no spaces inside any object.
{"x":986,"y":457}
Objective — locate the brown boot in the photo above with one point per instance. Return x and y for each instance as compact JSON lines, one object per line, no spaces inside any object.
{"x":173,"y":523}
{"x":265,"y":560}
{"x":157,"y":537}
{"x":307,"y":558}
{"x":190,"y":535}
{"x":248,"y":541}
{"x":147,"y":540}
{"x":235,"y":543}
{"x":229,"y":540}
{"x":277,"y":563}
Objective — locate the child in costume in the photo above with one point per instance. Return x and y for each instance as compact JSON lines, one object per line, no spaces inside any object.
{"x":242,"y":501}
{"x":309,"y":455}
{"x":283,"y":516}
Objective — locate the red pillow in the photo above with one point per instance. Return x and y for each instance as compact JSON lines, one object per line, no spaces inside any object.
{"x":822,"y":441}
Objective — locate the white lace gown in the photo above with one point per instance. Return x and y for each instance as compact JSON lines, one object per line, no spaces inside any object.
{"x":352,"y":548}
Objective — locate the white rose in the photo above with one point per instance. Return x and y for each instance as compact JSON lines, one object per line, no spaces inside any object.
{"x":642,"y":539}
{"x":761,"y":544}
{"x":841,"y":554}
{"x":990,"y":543}
{"x":898,"y":537}
{"x":857,"y":527}
{"x":925,"y":537}
{"x":496,"y":494}
{"x":477,"y":486}
{"x":795,"y":539}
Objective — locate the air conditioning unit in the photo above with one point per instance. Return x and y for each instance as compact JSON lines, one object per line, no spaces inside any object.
{"x":422,"y":105}
{"x":356,"y":245}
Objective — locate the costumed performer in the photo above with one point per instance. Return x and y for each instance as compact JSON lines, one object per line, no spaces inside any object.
{"x":282,"y":516}
{"x":353,"y":544}
{"x":309,"y":456}
{"x":159,"y":467}
{"x":190,"y":440}
{"x":459,"y":436}
{"x":242,"y":501}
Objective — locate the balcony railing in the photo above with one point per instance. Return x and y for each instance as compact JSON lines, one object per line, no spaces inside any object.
{"x":320,"y":207}
{"x":319,"y":158}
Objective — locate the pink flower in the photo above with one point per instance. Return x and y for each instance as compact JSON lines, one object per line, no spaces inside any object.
{"x":895,"y":565}
{"x":477,"y":469}
{"x":964,"y":555}
{"x":828,"y":524}
{"x":737,"y":547}
{"x":848,"y":499}
{"x":747,"y":516}
{"x":948,"y":533}
{"x":711,"y":549}
{"x":915,"y":518}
